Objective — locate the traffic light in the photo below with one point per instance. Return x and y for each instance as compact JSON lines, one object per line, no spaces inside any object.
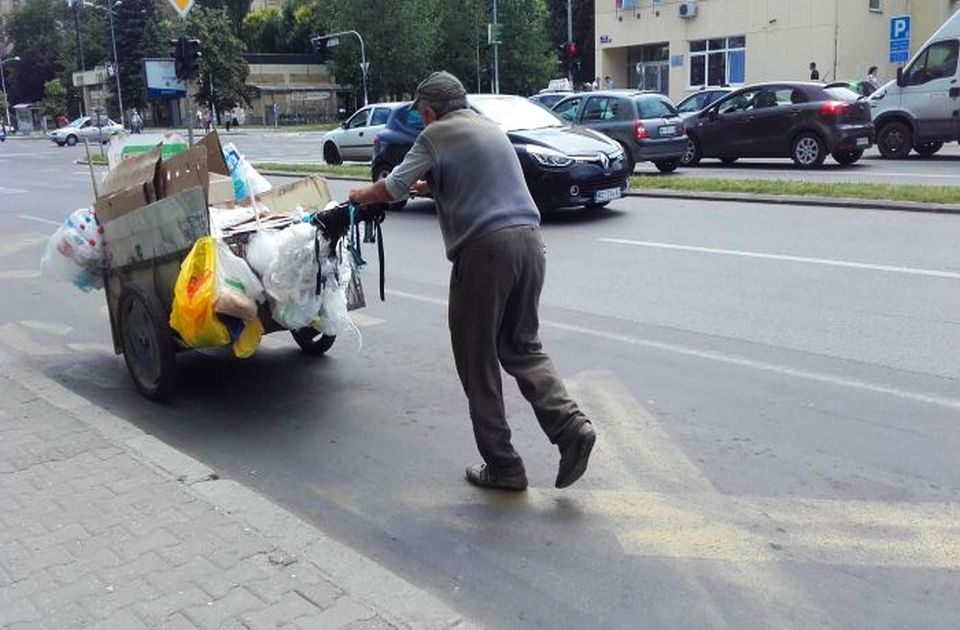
{"x":573,"y":58}
{"x":563,"y":53}
{"x":186,"y":55}
{"x":319,"y":43}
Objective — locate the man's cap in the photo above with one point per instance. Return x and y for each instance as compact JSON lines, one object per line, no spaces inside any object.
{"x":438,"y":87}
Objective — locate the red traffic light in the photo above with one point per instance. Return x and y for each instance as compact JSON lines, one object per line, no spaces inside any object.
{"x":572,"y":49}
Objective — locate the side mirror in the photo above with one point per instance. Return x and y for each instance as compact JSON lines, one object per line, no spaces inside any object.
{"x":343,"y":125}
{"x":900,"y":78}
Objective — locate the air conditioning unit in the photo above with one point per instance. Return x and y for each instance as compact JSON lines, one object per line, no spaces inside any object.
{"x":688,"y":9}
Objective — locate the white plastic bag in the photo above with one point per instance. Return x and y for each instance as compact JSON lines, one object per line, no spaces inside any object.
{"x":75,"y":252}
{"x":247,"y":182}
{"x":238,"y":288}
{"x":291,"y":277}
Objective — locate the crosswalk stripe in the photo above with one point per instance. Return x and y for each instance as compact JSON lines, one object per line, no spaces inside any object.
{"x":18,"y":242}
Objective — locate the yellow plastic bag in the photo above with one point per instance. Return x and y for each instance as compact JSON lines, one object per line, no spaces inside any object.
{"x":248,"y":341}
{"x":194,"y":297}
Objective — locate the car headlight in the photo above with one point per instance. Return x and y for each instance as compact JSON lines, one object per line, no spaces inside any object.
{"x":548,"y":157}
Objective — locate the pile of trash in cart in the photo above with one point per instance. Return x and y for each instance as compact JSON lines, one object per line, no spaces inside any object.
{"x":258,"y":257}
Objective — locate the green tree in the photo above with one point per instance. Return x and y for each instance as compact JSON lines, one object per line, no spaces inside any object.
{"x":55,"y":97}
{"x":236,"y":10}
{"x":461,"y":44}
{"x":583,"y":34}
{"x":527,"y":57}
{"x":142,"y":33}
{"x":222,"y":76}
{"x":307,"y":18}
{"x":265,"y":31}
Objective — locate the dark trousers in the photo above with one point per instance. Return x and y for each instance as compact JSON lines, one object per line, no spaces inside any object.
{"x":495,"y":290}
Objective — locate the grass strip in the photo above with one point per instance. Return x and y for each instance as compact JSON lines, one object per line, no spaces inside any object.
{"x":360,"y":172}
{"x":97,"y":159}
{"x":838,"y":190}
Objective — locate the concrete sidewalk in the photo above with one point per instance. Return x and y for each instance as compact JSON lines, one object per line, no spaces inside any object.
{"x":104,"y":526}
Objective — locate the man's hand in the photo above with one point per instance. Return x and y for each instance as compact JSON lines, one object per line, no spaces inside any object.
{"x":421,"y":187}
{"x":376,"y":193}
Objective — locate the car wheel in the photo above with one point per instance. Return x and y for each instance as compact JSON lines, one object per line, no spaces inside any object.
{"x":808,"y":150}
{"x":331,"y":155}
{"x":61,"y":144}
{"x":727,"y":161}
{"x":927,"y":149}
{"x":848,"y":157}
{"x":693,"y":154}
{"x":667,"y":166}
{"x":71,"y":141}
{"x":629,"y":162}
{"x":381,"y":171}
{"x":895,"y":141}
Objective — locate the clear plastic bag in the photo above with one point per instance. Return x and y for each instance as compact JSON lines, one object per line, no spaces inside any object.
{"x":290,"y":278}
{"x":247,"y":182}
{"x":75,"y":252}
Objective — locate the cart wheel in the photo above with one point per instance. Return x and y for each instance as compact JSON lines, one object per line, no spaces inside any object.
{"x":148,"y":346}
{"x":312,"y":341}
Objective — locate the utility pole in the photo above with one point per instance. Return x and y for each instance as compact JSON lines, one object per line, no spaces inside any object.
{"x":496,"y":53}
{"x":113,"y":38}
{"x":569,"y":41}
{"x":75,"y":5}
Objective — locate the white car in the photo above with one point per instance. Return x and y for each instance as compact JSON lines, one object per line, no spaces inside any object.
{"x":85,"y":127}
{"x":353,"y":140}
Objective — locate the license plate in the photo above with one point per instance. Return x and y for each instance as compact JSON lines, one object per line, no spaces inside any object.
{"x":863,"y":142}
{"x":668,"y":130}
{"x":607,"y":194}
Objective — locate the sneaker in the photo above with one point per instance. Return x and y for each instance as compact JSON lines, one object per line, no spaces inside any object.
{"x":481,"y":475}
{"x":575,"y":455}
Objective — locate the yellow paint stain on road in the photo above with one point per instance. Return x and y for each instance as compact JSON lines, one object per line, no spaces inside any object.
{"x":18,"y":242}
{"x":20,"y":274}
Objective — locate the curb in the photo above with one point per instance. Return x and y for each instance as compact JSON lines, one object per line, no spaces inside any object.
{"x":802,"y":200}
{"x":393,"y":598}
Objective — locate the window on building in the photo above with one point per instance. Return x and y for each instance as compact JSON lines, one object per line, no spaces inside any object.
{"x":718,"y":61}
{"x":875,"y":5}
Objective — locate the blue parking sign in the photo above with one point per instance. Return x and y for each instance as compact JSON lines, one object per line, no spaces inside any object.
{"x":900,"y":39}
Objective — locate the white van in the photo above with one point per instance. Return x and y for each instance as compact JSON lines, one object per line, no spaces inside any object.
{"x":921,"y":109}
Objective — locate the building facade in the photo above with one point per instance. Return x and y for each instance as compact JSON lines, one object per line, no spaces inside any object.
{"x":678,"y":46}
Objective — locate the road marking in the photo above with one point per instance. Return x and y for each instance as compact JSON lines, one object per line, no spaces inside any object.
{"x":15,"y":338}
{"x":52,"y":328}
{"x":101,"y":348}
{"x":729,"y":359}
{"x":40,"y":220}
{"x":933,"y":273}
{"x":13,"y":191}
{"x":362,"y":320}
{"x":19,"y":242}
{"x":21,"y":274}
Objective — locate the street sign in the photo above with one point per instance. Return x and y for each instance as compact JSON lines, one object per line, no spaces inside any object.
{"x":494,"y":34}
{"x":182,"y":6}
{"x":900,"y":39}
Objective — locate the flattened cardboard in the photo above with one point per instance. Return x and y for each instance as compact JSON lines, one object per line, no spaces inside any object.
{"x":122,"y":202}
{"x":133,"y":173}
{"x":215,"y":161}
{"x":220,"y":194}
{"x":184,"y":171}
{"x":310,"y":193}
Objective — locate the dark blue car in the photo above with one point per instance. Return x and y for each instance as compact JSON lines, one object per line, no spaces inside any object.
{"x":564,"y":166}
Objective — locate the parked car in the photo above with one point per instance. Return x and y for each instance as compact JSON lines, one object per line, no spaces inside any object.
{"x":921,"y":109}
{"x":701,"y":99}
{"x":564,"y":166}
{"x":804,"y":121}
{"x":645,"y":124}
{"x":548,"y":99}
{"x":85,"y":127}
{"x":353,"y":139}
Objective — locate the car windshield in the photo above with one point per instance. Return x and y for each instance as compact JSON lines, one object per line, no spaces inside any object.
{"x":77,"y":122}
{"x":691,"y":104}
{"x":515,"y":113}
{"x":842,"y":93}
{"x":655,"y":107}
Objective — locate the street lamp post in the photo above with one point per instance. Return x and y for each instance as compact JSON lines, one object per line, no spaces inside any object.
{"x":332,"y":40}
{"x":3,"y":85}
{"x":116,"y":62}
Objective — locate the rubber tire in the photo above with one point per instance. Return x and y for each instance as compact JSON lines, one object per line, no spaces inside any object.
{"x":899,"y":151}
{"x":631,"y":164}
{"x":380,"y":172}
{"x":331,"y":154}
{"x":312,"y":341}
{"x":928,"y":149}
{"x":821,"y":150}
{"x":71,"y":141}
{"x":848,"y":157}
{"x":156,"y":342}
{"x":727,"y":161}
{"x":693,"y":154}
{"x":61,"y":144}
{"x":667,"y":166}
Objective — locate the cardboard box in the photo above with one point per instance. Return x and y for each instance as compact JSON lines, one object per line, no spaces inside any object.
{"x":220,"y":194}
{"x":310,"y":193}
{"x":184,"y":171}
{"x":133,"y":184}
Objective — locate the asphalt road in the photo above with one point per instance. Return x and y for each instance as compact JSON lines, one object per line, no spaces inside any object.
{"x":776,"y":391}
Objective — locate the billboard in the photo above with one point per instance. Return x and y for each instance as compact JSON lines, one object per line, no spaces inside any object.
{"x":162,"y":81}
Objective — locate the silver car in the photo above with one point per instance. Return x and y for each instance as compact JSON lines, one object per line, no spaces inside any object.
{"x":86,"y":127}
{"x":353,"y":140}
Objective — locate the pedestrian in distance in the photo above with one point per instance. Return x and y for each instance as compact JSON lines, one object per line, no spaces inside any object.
{"x":872,"y":80}
{"x":491,"y":230}
{"x":136,"y":122}
{"x":814,"y":73}
{"x":596,"y":84}
{"x":610,"y":83}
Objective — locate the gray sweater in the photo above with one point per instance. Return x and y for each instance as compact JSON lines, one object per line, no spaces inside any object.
{"x":475,"y":178}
